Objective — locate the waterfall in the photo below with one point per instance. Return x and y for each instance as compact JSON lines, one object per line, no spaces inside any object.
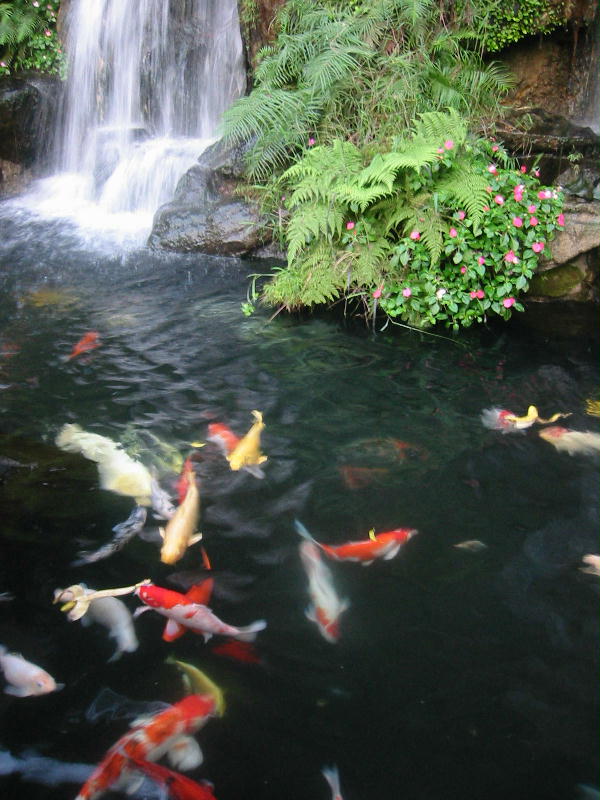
{"x":147,"y":83}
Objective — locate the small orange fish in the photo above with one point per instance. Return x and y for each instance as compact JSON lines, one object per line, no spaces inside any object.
{"x":382,"y":545}
{"x":88,"y":341}
{"x":239,"y":651}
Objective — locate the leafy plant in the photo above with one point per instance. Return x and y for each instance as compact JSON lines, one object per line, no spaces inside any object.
{"x":431,"y":231}
{"x":28,"y":38}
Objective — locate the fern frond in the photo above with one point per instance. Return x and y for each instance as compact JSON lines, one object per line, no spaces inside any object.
{"x":309,"y":223}
{"x":437,"y":126}
{"x":466,"y":188}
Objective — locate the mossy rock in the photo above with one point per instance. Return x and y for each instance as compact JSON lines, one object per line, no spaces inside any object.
{"x":557,"y":282}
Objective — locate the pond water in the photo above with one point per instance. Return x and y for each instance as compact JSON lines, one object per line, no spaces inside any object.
{"x":458,"y":673}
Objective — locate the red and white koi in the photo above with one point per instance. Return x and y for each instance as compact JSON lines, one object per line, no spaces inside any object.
{"x":326,"y":608}
{"x":166,"y":733}
{"x":382,"y":545}
{"x":332,"y":777}
{"x":188,"y":611}
{"x":572,"y":442}
{"x":177,"y":786}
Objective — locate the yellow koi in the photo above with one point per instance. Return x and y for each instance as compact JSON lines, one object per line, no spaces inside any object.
{"x":247,"y":451}
{"x":198,"y":682}
{"x":179,"y":532}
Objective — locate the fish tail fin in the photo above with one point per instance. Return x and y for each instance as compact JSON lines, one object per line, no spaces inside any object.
{"x":258,"y":416}
{"x":303,"y":531}
{"x":248,"y":634}
{"x":332,"y":776}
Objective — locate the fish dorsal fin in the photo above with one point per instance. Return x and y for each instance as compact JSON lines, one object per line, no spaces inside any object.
{"x":372,"y":536}
{"x":173,"y":630}
{"x":200,"y":593}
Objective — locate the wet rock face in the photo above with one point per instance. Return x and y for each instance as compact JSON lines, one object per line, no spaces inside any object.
{"x":205,"y":214}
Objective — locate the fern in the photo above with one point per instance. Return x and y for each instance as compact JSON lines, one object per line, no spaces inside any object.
{"x":310,"y":222}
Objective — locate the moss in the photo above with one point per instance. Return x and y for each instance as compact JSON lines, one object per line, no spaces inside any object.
{"x":556,"y":282}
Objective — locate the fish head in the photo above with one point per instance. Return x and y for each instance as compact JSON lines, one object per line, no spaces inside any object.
{"x":42,"y":683}
{"x":195,"y":708}
{"x":553,"y":432}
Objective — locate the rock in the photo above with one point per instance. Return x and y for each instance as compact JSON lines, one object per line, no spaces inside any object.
{"x":27,"y":103}
{"x":581,"y":233}
{"x":205,"y":214}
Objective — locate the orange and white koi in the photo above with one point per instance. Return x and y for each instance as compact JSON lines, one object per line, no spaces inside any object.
{"x":381,"y":545}
{"x":25,"y":679}
{"x":180,"y":531}
{"x":241,"y":453}
{"x":501,"y":419}
{"x":177,"y":786}
{"x":332,"y":777}
{"x":184,"y":611}
{"x":168,"y":733}
{"x":326,"y":608}
{"x":572,"y":442}
{"x":592,"y":564}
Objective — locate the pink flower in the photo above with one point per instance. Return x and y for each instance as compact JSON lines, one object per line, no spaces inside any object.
{"x":350,"y":225}
{"x":47,"y":32}
{"x":560,"y":220}
{"x":481,"y":260}
{"x":492,"y":169}
{"x":536,"y":173}
{"x":523,"y":168}
{"x":472,"y":295}
{"x":508,"y":302}
{"x":532,"y":209}
{"x":415,"y":235}
{"x":463,"y":270}
{"x":448,"y":144}
{"x":440,"y":149}
{"x":499,"y":200}
{"x":480,"y":294}
{"x":311,"y":141}
{"x":517,"y":222}
{"x":461,"y":215}
{"x":377,"y":292}
{"x":494,"y":148}
{"x":537,"y":247}
{"x":486,"y":208}
{"x":545,"y":194}
{"x":453,"y":233}
{"x":35,"y":4}
{"x":3,"y":64}
{"x":518,"y":192}
{"x":511,"y":258}
{"x":406,"y":292}
{"x":533,"y":221}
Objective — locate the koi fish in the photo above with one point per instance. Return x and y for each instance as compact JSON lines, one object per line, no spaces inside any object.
{"x":77,"y":598}
{"x":360,"y":477}
{"x":24,"y":678}
{"x":161,"y":502}
{"x":592,"y":407}
{"x":88,"y":342}
{"x":592,"y":563}
{"x":241,"y":453}
{"x":124,"y":531}
{"x":198,"y":682}
{"x":500,"y":419}
{"x":167,"y":732}
{"x":182,"y":484}
{"x":178,"y":534}
{"x":572,"y":442}
{"x":332,"y":777}
{"x":473,"y":545}
{"x":118,"y":472}
{"x":177,"y":786}
{"x":184,"y":611}
{"x":239,"y":651}
{"x":114,"y":615}
{"x":382,"y":545}
{"x":326,"y":607}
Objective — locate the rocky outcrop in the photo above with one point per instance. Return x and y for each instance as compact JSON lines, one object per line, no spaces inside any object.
{"x":27,"y":105}
{"x":206,"y":215}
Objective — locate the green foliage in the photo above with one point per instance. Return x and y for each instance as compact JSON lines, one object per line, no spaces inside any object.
{"x":441,"y":229}
{"x":510,"y":22}
{"x":28,"y":38}
{"x":360,"y":71}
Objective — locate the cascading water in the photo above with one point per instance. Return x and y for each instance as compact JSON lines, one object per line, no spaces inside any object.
{"x":147,"y":83}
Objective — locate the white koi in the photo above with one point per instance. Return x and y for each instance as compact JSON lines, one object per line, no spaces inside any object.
{"x":326,"y":607}
{"x":24,"y":678}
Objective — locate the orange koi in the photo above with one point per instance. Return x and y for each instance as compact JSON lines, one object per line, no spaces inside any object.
{"x":239,"y":651}
{"x":178,"y":786}
{"x":167,"y":732}
{"x":88,"y":341}
{"x":223,"y":437}
{"x":382,"y":545}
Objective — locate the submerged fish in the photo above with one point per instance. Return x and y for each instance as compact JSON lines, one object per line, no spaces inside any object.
{"x":382,"y":545}
{"x":332,"y":777}
{"x":118,"y":472}
{"x":500,"y":419}
{"x":239,"y":651}
{"x":77,"y":598}
{"x":180,"y":531}
{"x":241,"y":453}
{"x":167,"y":732}
{"x":184,"y":611}
{"x":124,"y":532}
{"x":198,"y":682}
{"x":474,"y":545}
{"x":572,"y":442}
{"x":592,"y":563}
{"x":177,"y":786}
{"x":326,"y":607}
{"x":161,"y":502}
{"x":592,"y":407}
{"x":88,"y":342}
{"x":24,"y":678}
{"x":114,"y":615}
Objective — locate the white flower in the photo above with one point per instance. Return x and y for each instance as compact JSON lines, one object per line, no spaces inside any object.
{"x":440,"y":293}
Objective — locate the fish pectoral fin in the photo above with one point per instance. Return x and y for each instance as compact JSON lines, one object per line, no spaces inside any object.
{"x":254,"y":470}
{"x":197,"y":537}
{"x":310,"y":614}
{"x":16,"y":691}
{"x":133,"y":783}
{"x":391,"y":553}
{"x":173,"y":630}
{"x":162,"y":533}
{"x":141,"y":610}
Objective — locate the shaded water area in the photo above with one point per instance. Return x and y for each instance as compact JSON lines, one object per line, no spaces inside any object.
{"x":458,"y":674}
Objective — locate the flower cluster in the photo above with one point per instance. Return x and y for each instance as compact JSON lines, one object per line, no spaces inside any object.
{"x":41,"y":50}
{"x":486,"y":263}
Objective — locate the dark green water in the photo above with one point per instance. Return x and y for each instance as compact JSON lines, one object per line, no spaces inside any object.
{"x":458,"y":675}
